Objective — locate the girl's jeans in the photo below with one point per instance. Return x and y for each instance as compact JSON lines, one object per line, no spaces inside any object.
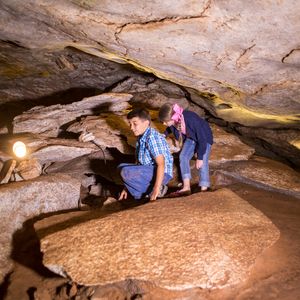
{"x":186,"y":154}
{"x":139,"y":179}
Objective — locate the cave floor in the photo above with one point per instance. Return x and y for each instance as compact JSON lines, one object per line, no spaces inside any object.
{"x":275,"y":275}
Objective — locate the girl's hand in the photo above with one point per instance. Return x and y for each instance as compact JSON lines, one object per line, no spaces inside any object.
{"x":199,"y":164}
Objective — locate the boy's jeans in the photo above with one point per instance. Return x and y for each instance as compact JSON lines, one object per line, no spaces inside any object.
{"x":139,"y":179}
{"x":186,"y":154}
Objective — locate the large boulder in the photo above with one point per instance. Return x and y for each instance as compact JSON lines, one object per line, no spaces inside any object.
{"x":206,"y":240}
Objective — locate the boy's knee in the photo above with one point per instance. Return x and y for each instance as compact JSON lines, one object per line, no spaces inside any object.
{"x":120,"y":166}
{"x":123,"y":173}
{"x":126,"y":173}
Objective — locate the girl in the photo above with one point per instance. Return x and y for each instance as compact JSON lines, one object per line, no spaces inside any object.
{"x":195,"y":136}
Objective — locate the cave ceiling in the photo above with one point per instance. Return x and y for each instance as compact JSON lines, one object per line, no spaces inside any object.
{"x":238,"y":59}
{"x":245,"y":54}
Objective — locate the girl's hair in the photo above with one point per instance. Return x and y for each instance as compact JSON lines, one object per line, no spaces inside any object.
{"x":165,"y":112}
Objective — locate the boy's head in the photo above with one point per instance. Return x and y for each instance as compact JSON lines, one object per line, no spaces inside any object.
{"x":139,"y":120}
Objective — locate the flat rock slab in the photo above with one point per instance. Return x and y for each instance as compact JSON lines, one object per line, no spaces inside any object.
{"x":208,"y":240}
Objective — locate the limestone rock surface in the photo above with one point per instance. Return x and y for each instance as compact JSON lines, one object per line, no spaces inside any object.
{"x":207,"y":240}
{"x":228,"y":147}
{"x":4,"y":157}
{"x":283,"y":142}
{"x":46,"y":149}
{"x":24,"y":200}
{"x":154,"y":93}
{"x":262,"y":173}
{"x":29,"y":168}
{"x":7,"y":170}
{"x":48,"y":120}
{"x":100,"y":163}
{"x":110,"y":130}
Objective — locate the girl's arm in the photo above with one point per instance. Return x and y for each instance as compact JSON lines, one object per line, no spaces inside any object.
{"x":201,"y":144}
{"x":167,"y":132}
{"x":172,"y":130}
{"x":201,"y":138}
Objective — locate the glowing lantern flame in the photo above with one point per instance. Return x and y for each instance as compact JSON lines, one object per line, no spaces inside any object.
{"x":19,"y":149}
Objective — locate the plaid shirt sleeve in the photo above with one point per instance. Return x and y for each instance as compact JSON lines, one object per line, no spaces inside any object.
{"x":157,"y":144}
{"x":152,"y":145}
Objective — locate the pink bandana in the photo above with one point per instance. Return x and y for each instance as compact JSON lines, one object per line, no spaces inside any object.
{"x":178,"y":117}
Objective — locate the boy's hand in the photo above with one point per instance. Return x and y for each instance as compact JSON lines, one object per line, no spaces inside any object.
{"x":86,"y":137}
{"x":123,"y":194}
{"x":154,"y":194}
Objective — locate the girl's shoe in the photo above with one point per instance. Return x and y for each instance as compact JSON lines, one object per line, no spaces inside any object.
{"x":199,"y":190}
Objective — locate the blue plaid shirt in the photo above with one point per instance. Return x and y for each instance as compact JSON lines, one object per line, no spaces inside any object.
{"x":150,"y":145}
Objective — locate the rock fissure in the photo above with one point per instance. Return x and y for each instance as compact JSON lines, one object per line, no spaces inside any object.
{"x":243,"y":54}
{"x":174,"y":19}
{"x":289,"y":54}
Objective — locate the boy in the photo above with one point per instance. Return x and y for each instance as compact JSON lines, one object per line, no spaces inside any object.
{"x":154,"y":161}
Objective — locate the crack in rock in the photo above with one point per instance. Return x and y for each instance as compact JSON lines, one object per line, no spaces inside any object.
{"x":163,"y":20}
{"x":243,"y":54}
{"x":290,"y":53}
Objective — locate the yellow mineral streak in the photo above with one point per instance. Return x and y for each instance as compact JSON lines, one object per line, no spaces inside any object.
{"x":236,"y":110}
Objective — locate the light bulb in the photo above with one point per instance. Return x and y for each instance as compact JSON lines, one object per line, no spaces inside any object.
{"x":19,"y":149}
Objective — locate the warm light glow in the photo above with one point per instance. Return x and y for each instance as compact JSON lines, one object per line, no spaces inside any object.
{"x":295,"y":143}
{"x":19,"y":149}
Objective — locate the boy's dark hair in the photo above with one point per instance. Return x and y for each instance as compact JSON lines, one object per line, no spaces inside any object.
{"x":141,"y":113}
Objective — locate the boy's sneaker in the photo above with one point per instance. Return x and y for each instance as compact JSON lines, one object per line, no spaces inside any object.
{"x":162,"y":191}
